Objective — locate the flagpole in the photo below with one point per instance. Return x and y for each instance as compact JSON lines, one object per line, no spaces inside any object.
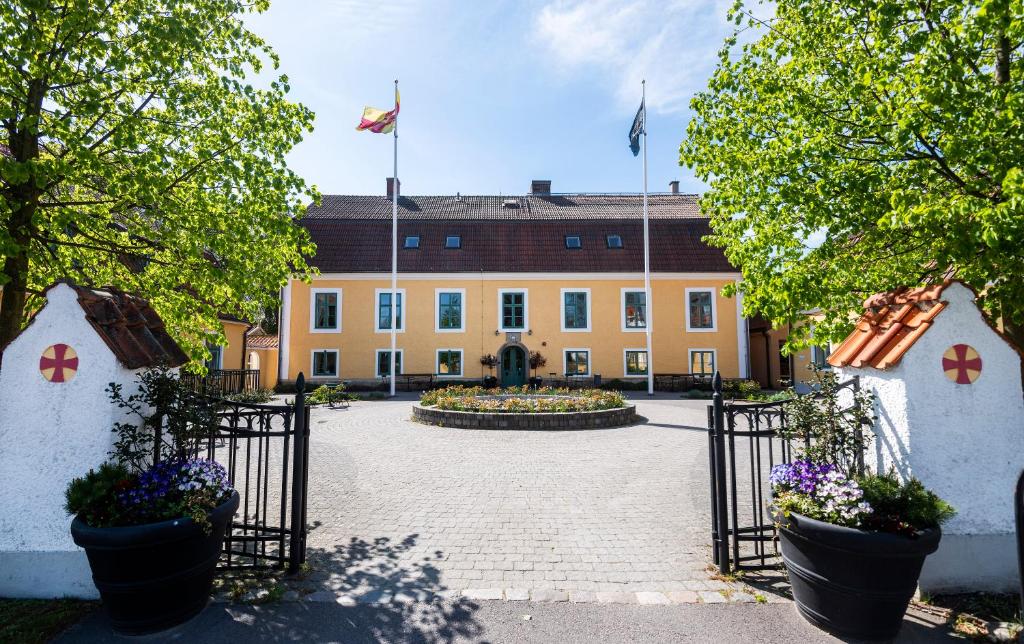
{"x":648,"y":303}
{"x":394,"y":254}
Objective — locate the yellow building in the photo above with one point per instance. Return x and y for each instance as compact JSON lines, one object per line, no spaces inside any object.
{"x":772,"y":367}
{"x":558,"y":275}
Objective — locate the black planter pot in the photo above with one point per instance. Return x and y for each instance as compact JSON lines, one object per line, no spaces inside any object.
{"x":152,"y":577}
{"x":852,"y":582}
{"x":490,"y":382}
{"x":536,"y":382}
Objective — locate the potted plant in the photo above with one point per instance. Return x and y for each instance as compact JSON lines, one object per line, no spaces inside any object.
{"x":490,"y":361}
{"x":852,"y":543}
{"x":153,"y":531}
{"x":537,"y":360}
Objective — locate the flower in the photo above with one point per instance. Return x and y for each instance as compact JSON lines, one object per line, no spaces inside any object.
{"x":820,"y":491}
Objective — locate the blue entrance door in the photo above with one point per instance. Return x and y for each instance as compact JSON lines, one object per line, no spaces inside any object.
{"x":513,"y":367}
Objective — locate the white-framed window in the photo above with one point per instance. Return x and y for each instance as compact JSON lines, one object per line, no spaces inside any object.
{"x":575,"y":310}
{"x":513,"y":309}
{"x":449,"y":310}
{"x":324,"y":363}
{"x":449,"y":363}
{"x":819,"y":356}
{"x":634,"y":362}
{"x":383,"y":310}
{"x":216,"y":361}
{"x":701,"y":310}
{"x":703,"y":361}
{"x":384,"y":362}
{"x":634,"y":310}
{"x":324,"y":310}
{"x":576,"y":362}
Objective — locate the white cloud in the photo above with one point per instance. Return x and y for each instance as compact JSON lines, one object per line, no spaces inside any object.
{"x":673,"y":45}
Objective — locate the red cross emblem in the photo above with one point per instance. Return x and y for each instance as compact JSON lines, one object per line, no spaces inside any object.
{"x":962,"y":364}
{"x":59,"y":363}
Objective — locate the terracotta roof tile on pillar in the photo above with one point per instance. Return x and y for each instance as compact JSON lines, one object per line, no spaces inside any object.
{"x":892,"y":322}
{"x":130,"y":327}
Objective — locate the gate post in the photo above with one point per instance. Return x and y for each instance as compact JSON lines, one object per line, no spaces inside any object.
{"x":298,"y":529}
{"x":721,"y":502}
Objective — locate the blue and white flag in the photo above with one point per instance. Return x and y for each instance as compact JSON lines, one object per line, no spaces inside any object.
{"x":639,"y":123}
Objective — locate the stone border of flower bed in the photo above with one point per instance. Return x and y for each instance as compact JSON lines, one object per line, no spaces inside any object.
{"x":546,"y":421}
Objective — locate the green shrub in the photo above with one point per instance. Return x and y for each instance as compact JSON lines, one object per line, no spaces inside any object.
{"x":543,"y":400}
{"x":328,"y":394}
{"x":745,"y":389}
{"x":93,"y":497}
{"x":252,"y":396}
{"x":903,"y":507}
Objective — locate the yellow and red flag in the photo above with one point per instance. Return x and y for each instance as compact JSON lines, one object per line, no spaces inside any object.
{"x":379,"y":121}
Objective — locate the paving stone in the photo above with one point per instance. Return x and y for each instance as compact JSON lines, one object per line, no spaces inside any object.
{"x":543,"y":595}
{"x":582,"y":597}
{"x":517,"y":594}
{"x":712,"y":597}
{"x":482,"y":593}
{"x":606,"y":597}
{"x":651,"y":598}
{"x":682,"y":596}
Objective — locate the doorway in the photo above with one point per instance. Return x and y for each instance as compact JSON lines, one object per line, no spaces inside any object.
{"x":513,"y":367}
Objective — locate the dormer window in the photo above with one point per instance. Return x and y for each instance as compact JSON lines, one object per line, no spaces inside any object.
{"x":453,"y":241}
{"x":614,"y":241}
{"x":573,"y":241}
{"x":412,"y":241}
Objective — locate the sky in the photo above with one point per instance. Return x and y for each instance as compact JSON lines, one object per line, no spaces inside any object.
{"x":495,"y":93}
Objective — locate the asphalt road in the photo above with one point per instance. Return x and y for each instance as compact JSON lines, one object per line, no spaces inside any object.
{"x":467,"y":621}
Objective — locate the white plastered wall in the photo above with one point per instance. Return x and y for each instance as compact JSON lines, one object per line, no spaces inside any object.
{"x":964,"y":442}
{"x":49,"y":434}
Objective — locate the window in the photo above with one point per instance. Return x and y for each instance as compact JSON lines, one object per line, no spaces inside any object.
{"x":325,"y":310}
{"x":512,"y":314}
{"x":577,"y":362}
{"x":614,"y":241}
{"x":819,"y":356}
{"x":634,"y":310}
{"x":384,"y":362}
{"x":412,"y":241}
{"x":216,"y":361}
{"x":573,"y":241}
{"x":325,"y":363}
{"x":700,"y":309}
{"x":449,"y":362}
{"x":575,"y":309}
{"x":702,"y":362}
{"x":636,"y":362}
{"x":384,"y":310}
{"x":453,"y":241}
{"x":450,"y":312}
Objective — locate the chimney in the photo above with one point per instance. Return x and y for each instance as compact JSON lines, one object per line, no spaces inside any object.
{"x":391,"y":183}
{"x":540,"y":187}
{"x":673,"y":187}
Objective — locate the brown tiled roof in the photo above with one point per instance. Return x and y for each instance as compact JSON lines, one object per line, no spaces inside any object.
{"x":261,"y":341}
{"x":130,"y":327}
{"x":892,"y":322}
{"x":510,"y":208}
{"x":353,"y":234}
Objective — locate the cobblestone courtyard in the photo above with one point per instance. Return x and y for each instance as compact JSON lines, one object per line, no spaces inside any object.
{"x":404,"y":510}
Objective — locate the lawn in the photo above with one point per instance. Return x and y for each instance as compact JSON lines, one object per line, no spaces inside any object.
{"x":30,"y":621}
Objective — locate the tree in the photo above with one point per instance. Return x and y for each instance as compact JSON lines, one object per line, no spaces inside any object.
{"x":852,"y":147}
{"x":137,"y":156}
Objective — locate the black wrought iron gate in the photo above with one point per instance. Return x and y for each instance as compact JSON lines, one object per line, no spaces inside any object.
{"x":743,"y":446}
{"x":265,"y":449}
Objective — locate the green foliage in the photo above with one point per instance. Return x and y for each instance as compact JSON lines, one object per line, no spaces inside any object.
{"x":328,"y":395}
{"x":904,"y":507}
{"x":522,"y":399}
{"x":138,"y":155}
{"x":252,"y":396}
{"x":93,"y":496}
{"x":858,"y":146}
{"x":733,"y":388}
{"x":838,"y":429}
{"x":185,"y":418}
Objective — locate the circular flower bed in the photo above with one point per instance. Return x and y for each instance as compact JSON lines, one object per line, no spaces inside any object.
{"x":522,"y":408}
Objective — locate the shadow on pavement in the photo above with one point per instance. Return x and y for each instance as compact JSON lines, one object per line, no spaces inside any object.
{"x":360,"y":591}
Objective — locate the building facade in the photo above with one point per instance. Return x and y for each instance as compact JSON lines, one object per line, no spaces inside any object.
{"x":555,"y":275}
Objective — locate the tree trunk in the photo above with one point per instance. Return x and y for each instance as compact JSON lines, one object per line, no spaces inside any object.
{"x":1003,"y":52}
{"x":23,"y":142}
